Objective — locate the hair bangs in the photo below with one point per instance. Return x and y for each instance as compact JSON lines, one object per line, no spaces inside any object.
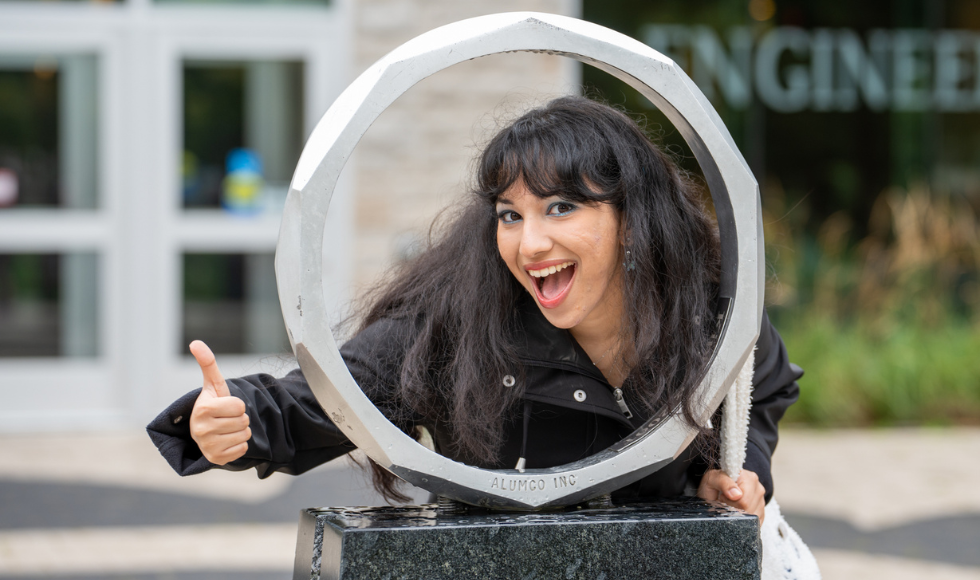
{"x":550,"y":159}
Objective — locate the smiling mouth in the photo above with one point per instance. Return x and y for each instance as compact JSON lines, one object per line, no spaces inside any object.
{"x":551,"y":284}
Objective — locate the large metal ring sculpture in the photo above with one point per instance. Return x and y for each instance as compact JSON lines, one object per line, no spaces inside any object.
{"x":299,"y":255}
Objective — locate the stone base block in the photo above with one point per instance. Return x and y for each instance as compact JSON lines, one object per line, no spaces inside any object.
{"x":675,"y":539}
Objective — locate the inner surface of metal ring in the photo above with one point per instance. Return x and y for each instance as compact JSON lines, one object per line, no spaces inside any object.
{"x":299,"y":256}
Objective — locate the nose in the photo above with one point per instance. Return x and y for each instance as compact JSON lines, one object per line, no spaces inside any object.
{"x":535,"y":239}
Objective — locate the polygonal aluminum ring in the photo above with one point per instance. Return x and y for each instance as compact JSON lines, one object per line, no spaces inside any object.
{"x":299,"y":255}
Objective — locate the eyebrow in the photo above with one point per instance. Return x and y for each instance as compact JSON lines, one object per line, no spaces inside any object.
{"x":504,"y":201}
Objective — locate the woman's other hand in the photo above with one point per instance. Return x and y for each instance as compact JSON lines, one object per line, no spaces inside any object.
{"x":746,"y":494}
{"x":219,"y":424}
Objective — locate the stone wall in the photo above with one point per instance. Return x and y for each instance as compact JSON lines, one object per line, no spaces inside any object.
{"x":416,"y":159}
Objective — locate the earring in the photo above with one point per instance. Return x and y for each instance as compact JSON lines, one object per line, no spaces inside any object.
{"x":629,"y":263}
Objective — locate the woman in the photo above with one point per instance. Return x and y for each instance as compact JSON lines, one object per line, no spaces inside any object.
{"x":568,"y":302}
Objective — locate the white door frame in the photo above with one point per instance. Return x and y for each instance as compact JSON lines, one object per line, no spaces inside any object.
{"x":139,"y":229}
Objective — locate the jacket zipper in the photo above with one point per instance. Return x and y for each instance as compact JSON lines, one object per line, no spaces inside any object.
{"x":618,"y":396}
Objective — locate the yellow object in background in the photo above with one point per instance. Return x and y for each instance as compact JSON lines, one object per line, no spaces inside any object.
{"x":243,"y":183}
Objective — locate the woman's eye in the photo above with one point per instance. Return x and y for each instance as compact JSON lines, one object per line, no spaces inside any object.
{"x":561,"y":208}
{"x":508,"y":216}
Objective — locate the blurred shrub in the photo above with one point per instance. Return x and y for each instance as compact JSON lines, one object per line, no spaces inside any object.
{"x":887,"y":327}
{"x":856,"y":376}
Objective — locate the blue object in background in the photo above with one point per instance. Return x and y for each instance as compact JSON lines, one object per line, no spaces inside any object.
{"x":243,"y":182}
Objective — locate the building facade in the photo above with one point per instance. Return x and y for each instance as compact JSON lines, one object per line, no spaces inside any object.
{"x":145,"y":151}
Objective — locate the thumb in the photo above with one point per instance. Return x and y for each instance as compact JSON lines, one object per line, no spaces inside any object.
{"x":729,"y":488}
{"x":213,"y":379}
{"x":725,"y":486}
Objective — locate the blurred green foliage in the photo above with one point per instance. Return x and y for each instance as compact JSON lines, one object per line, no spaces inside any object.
{"x":27,"y":102}
{"x":912,"y":375}
{"x":213,"y":277}
{"x":873,"y":277}
{"x":214,"y":111}
{"x":888,"y":328}
{"x":28,"y":278}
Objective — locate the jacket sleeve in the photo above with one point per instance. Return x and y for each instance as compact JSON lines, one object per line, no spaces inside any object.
{"x":774,"y":390}
{"x":290,"y":431}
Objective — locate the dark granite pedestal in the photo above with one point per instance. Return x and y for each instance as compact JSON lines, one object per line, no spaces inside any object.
{"x":676,"y":539}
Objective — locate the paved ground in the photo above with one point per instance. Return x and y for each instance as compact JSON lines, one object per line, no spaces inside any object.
{"x":872,"y":504}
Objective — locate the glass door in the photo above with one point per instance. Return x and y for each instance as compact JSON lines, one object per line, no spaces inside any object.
{"x":144,"y":161}
{"x":57,"y":243}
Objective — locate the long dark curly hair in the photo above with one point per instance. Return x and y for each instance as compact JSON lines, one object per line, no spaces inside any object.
{"x":464,"y":298}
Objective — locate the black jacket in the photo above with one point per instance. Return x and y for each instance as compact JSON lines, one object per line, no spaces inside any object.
{"x":572,"y":412}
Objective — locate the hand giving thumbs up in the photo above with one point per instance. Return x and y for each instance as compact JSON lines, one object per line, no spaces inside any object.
{"x":219,"y":424}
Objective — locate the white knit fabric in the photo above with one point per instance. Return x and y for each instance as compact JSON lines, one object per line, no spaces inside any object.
{"x":784,"y":555}
{"x":735,"y":420}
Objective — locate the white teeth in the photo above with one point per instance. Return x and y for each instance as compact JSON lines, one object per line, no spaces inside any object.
{"x":550,"y":270}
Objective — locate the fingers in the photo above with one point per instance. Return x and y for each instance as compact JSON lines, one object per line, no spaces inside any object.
{"x":219,"y":407}
{"x":208,"y":426}
{"x":219,"y":424}
{"x":227,"y":448}
{"x":229,"y":455}
{"x":218,"y":417}
{"x":746,"y":494}
{"x":220,"y":438}
{"x":717,"y":484}
{"x":754,"y":494}
{"x":213,"y":379}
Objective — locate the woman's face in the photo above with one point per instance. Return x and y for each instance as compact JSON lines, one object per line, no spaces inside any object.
{"x":566,"y":254}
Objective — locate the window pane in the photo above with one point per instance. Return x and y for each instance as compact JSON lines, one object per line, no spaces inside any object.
{"x":231,"y":303}
{"x":48,"y":126}
{"x":242,"y":133}
{"x":49,"y":305}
